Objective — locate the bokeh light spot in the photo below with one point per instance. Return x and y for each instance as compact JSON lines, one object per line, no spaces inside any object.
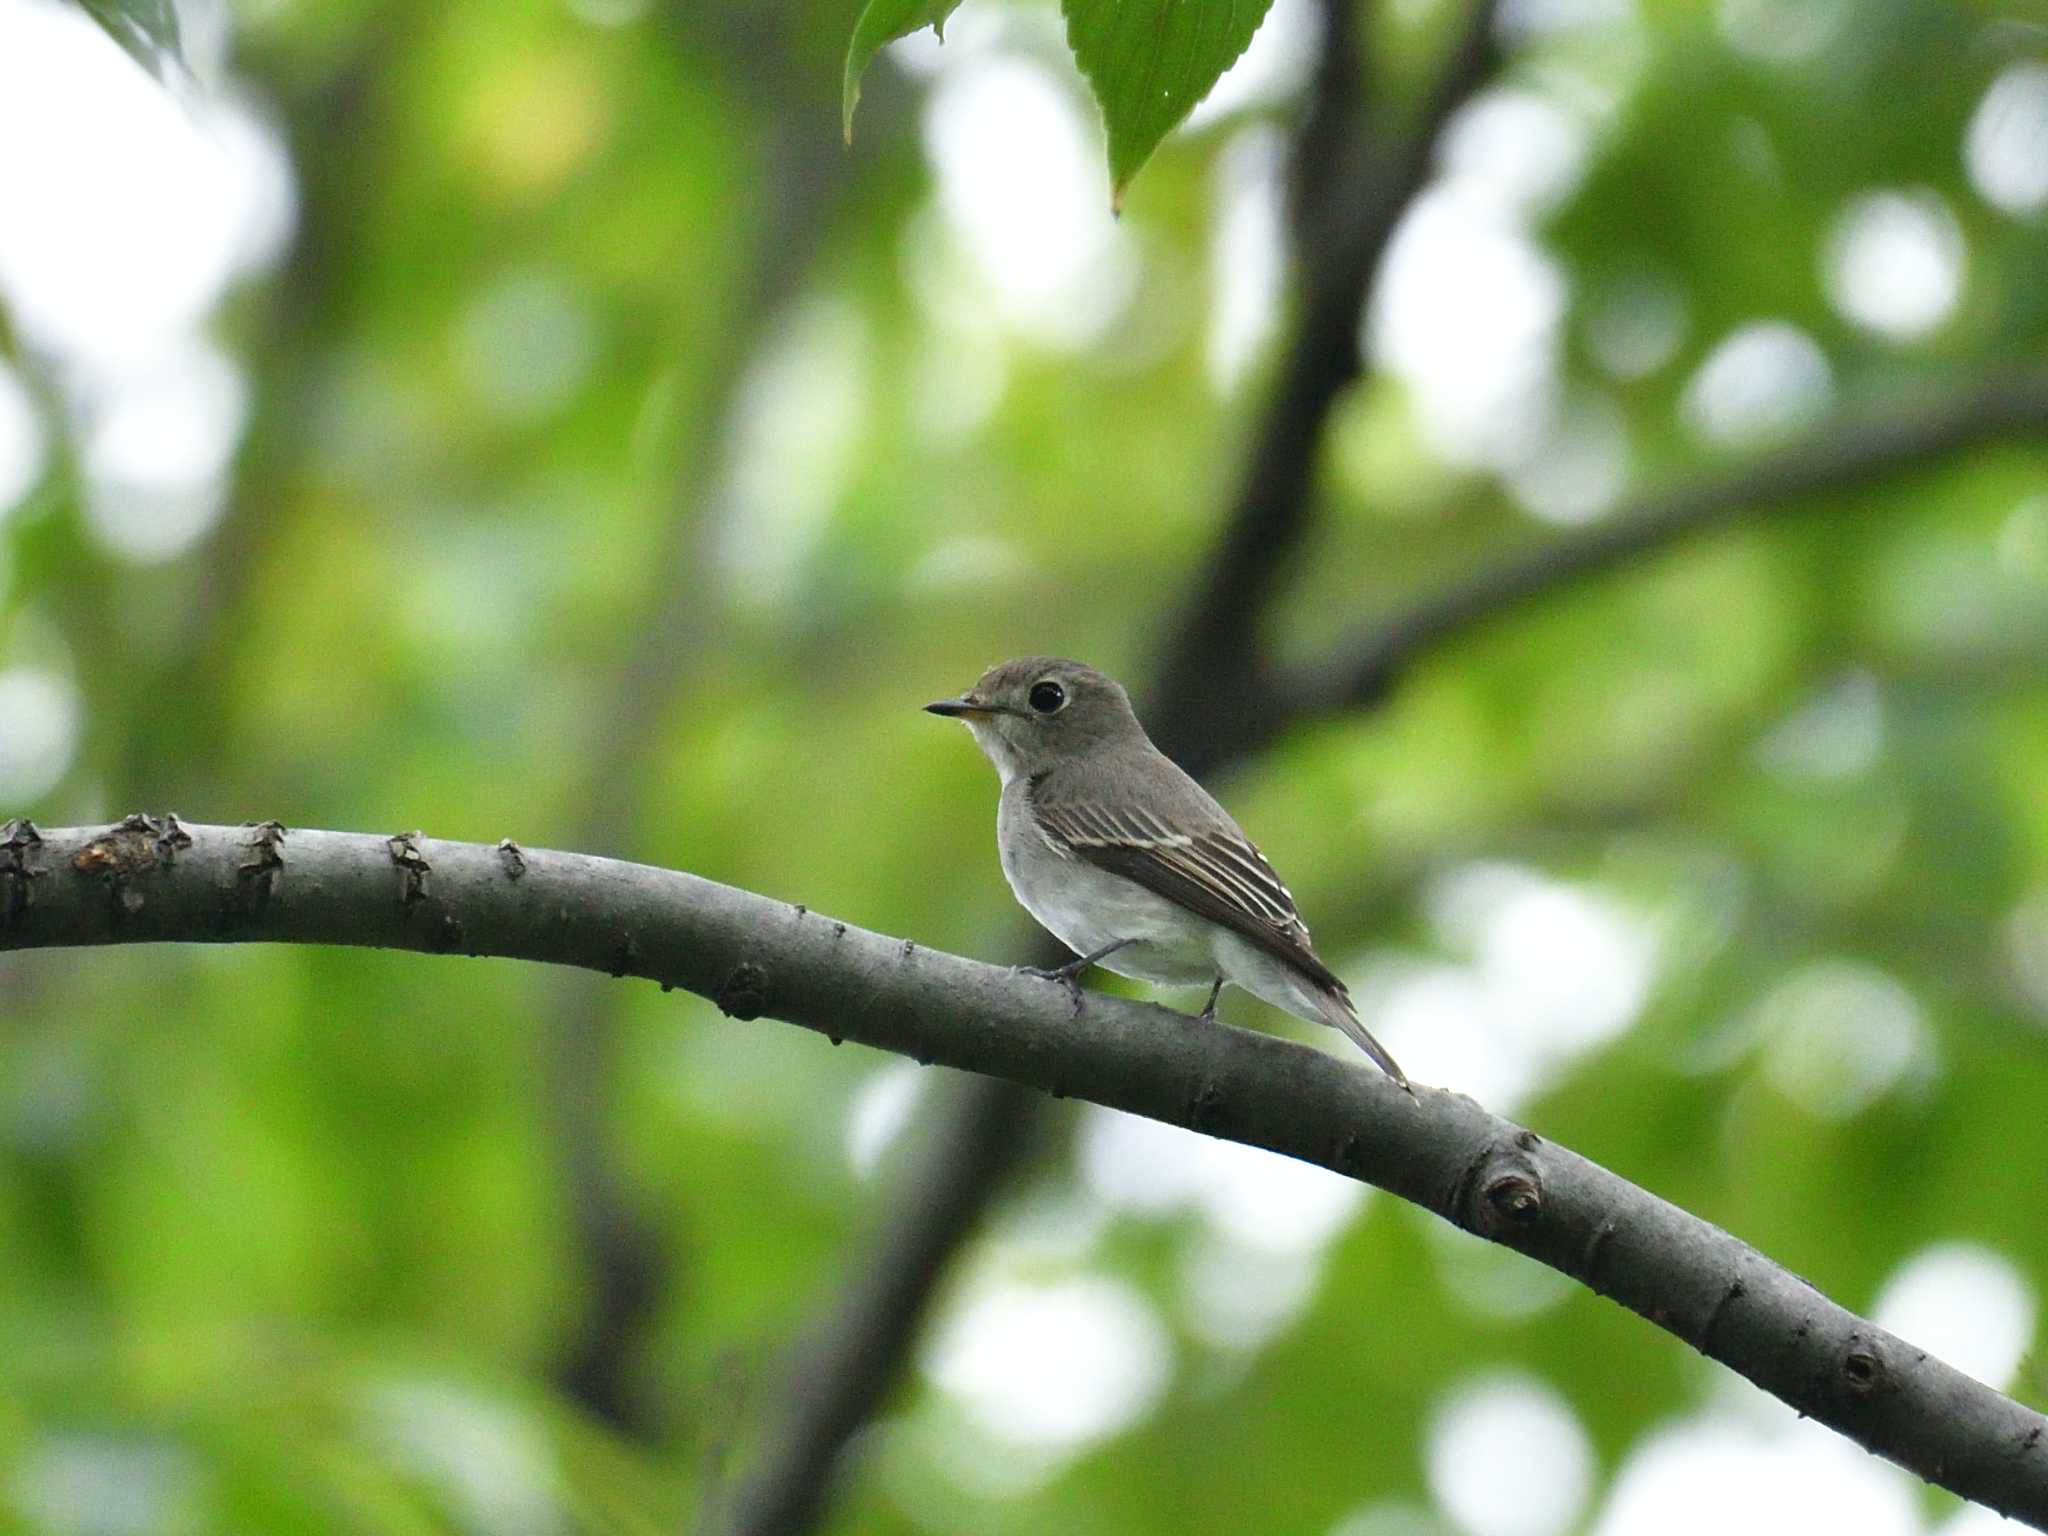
{"x":1965,"y":1304}
{"x":1767,"y":381}
{"x":1506,"y":1456}
{"x":1894,"y":263}
{"x":2006,"y":145}
{"x":1052,"y":1366}
{"x":43,"y":718}
{"x":1839,"y":1035}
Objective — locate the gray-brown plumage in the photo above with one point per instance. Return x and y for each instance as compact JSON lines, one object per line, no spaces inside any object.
{"x":1130,"y":862}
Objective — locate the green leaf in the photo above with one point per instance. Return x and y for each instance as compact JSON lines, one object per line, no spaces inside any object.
{"x":883,"y":22}
{"x":1150,"y":61}
{"x":146,"y":29}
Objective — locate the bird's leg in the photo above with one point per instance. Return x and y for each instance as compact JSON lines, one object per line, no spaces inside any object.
{"x":1069,"y":975}
{"x":1208,"y":1013}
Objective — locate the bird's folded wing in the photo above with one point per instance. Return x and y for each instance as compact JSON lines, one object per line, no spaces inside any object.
{"x":1216,"y":872}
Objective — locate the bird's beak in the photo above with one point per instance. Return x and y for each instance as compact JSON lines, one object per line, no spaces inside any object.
{"x":958,"y":709}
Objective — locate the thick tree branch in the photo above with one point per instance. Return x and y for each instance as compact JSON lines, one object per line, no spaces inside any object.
{"x":146,"y":881}
{"x":1854,"y":452}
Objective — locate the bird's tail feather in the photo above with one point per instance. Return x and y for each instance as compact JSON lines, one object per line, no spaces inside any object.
{"x":1337,"y":1011}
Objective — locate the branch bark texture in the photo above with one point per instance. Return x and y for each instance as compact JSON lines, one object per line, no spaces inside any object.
{"x":146,"y":881}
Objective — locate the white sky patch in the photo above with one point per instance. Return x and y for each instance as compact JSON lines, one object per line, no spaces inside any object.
{"x":1052,"y":1366}
{"x":1516,"y":149}
{"x":1045,"y":1230}
{"x":23,"y":441}
{"x":1974,"y":1520}
{"x":1711,"y":1475}
{"x":1894,"y":263}
{"x":174,"y":420}
{"x":801,"y":414}
{"x":1765,"y":382}
{"x":526,"y":344}
{"x":1468,"y":309}
{"x":44,"y":719}
{"x":158,"y":441}
{"x":1255,"y":1198}
{"x":1569,"y":968}
{"x":1506,"y":1456}
{"x":135,"y":210}
{"x":1272,"y":70}
{"x":1838,"y":1036}
{"x":2005,"y":148}
{"x":1238,"y":1297}
{"x":153,"y":523}
{"x":971,"y":31}
{"x":1467,"y":313}
{"x":1550,"y":971}
{"x":1023,"y":195}
{"x":881,"y":1109}
{"x":1246,"y":252}
{"x":1834,"y":735}
{"x":1966,"y":1305}
{"x":1436,"y":1020}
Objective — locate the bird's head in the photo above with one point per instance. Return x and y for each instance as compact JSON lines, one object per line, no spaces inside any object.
{"x":1032,"y":712}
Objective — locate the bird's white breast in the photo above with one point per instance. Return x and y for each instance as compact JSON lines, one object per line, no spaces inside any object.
{"x":1086,"y":908}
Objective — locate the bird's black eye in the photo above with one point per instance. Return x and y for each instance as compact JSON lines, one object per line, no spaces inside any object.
{"x":1048,"y":697}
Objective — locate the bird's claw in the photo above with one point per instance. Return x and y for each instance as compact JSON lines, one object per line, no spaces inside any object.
{"x":1067,"y":976}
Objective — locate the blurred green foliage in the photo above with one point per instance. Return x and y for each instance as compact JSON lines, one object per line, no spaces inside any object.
{"x":589,"y":331}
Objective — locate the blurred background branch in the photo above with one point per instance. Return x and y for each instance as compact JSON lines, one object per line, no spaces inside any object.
{"x":1838,"y":458}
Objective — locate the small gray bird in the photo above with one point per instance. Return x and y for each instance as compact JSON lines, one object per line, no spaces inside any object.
{"x":1127,"y":860}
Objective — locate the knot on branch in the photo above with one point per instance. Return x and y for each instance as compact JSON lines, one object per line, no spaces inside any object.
{"x":257,"y":878}
{"x":18,"y":838}
{"x":513,"y":857}
{"x":412,"y":866}
{"x":744,"y":993}
{"x":1501,"y":1191}
{"x":1864,"y":1371}
{"x":1514,"y":1199}
{"x":128,"y":850}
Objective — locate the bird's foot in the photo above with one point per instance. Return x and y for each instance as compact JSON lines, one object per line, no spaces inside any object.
{"x":1208,"y":1013}
{"x":1068,"y":976}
